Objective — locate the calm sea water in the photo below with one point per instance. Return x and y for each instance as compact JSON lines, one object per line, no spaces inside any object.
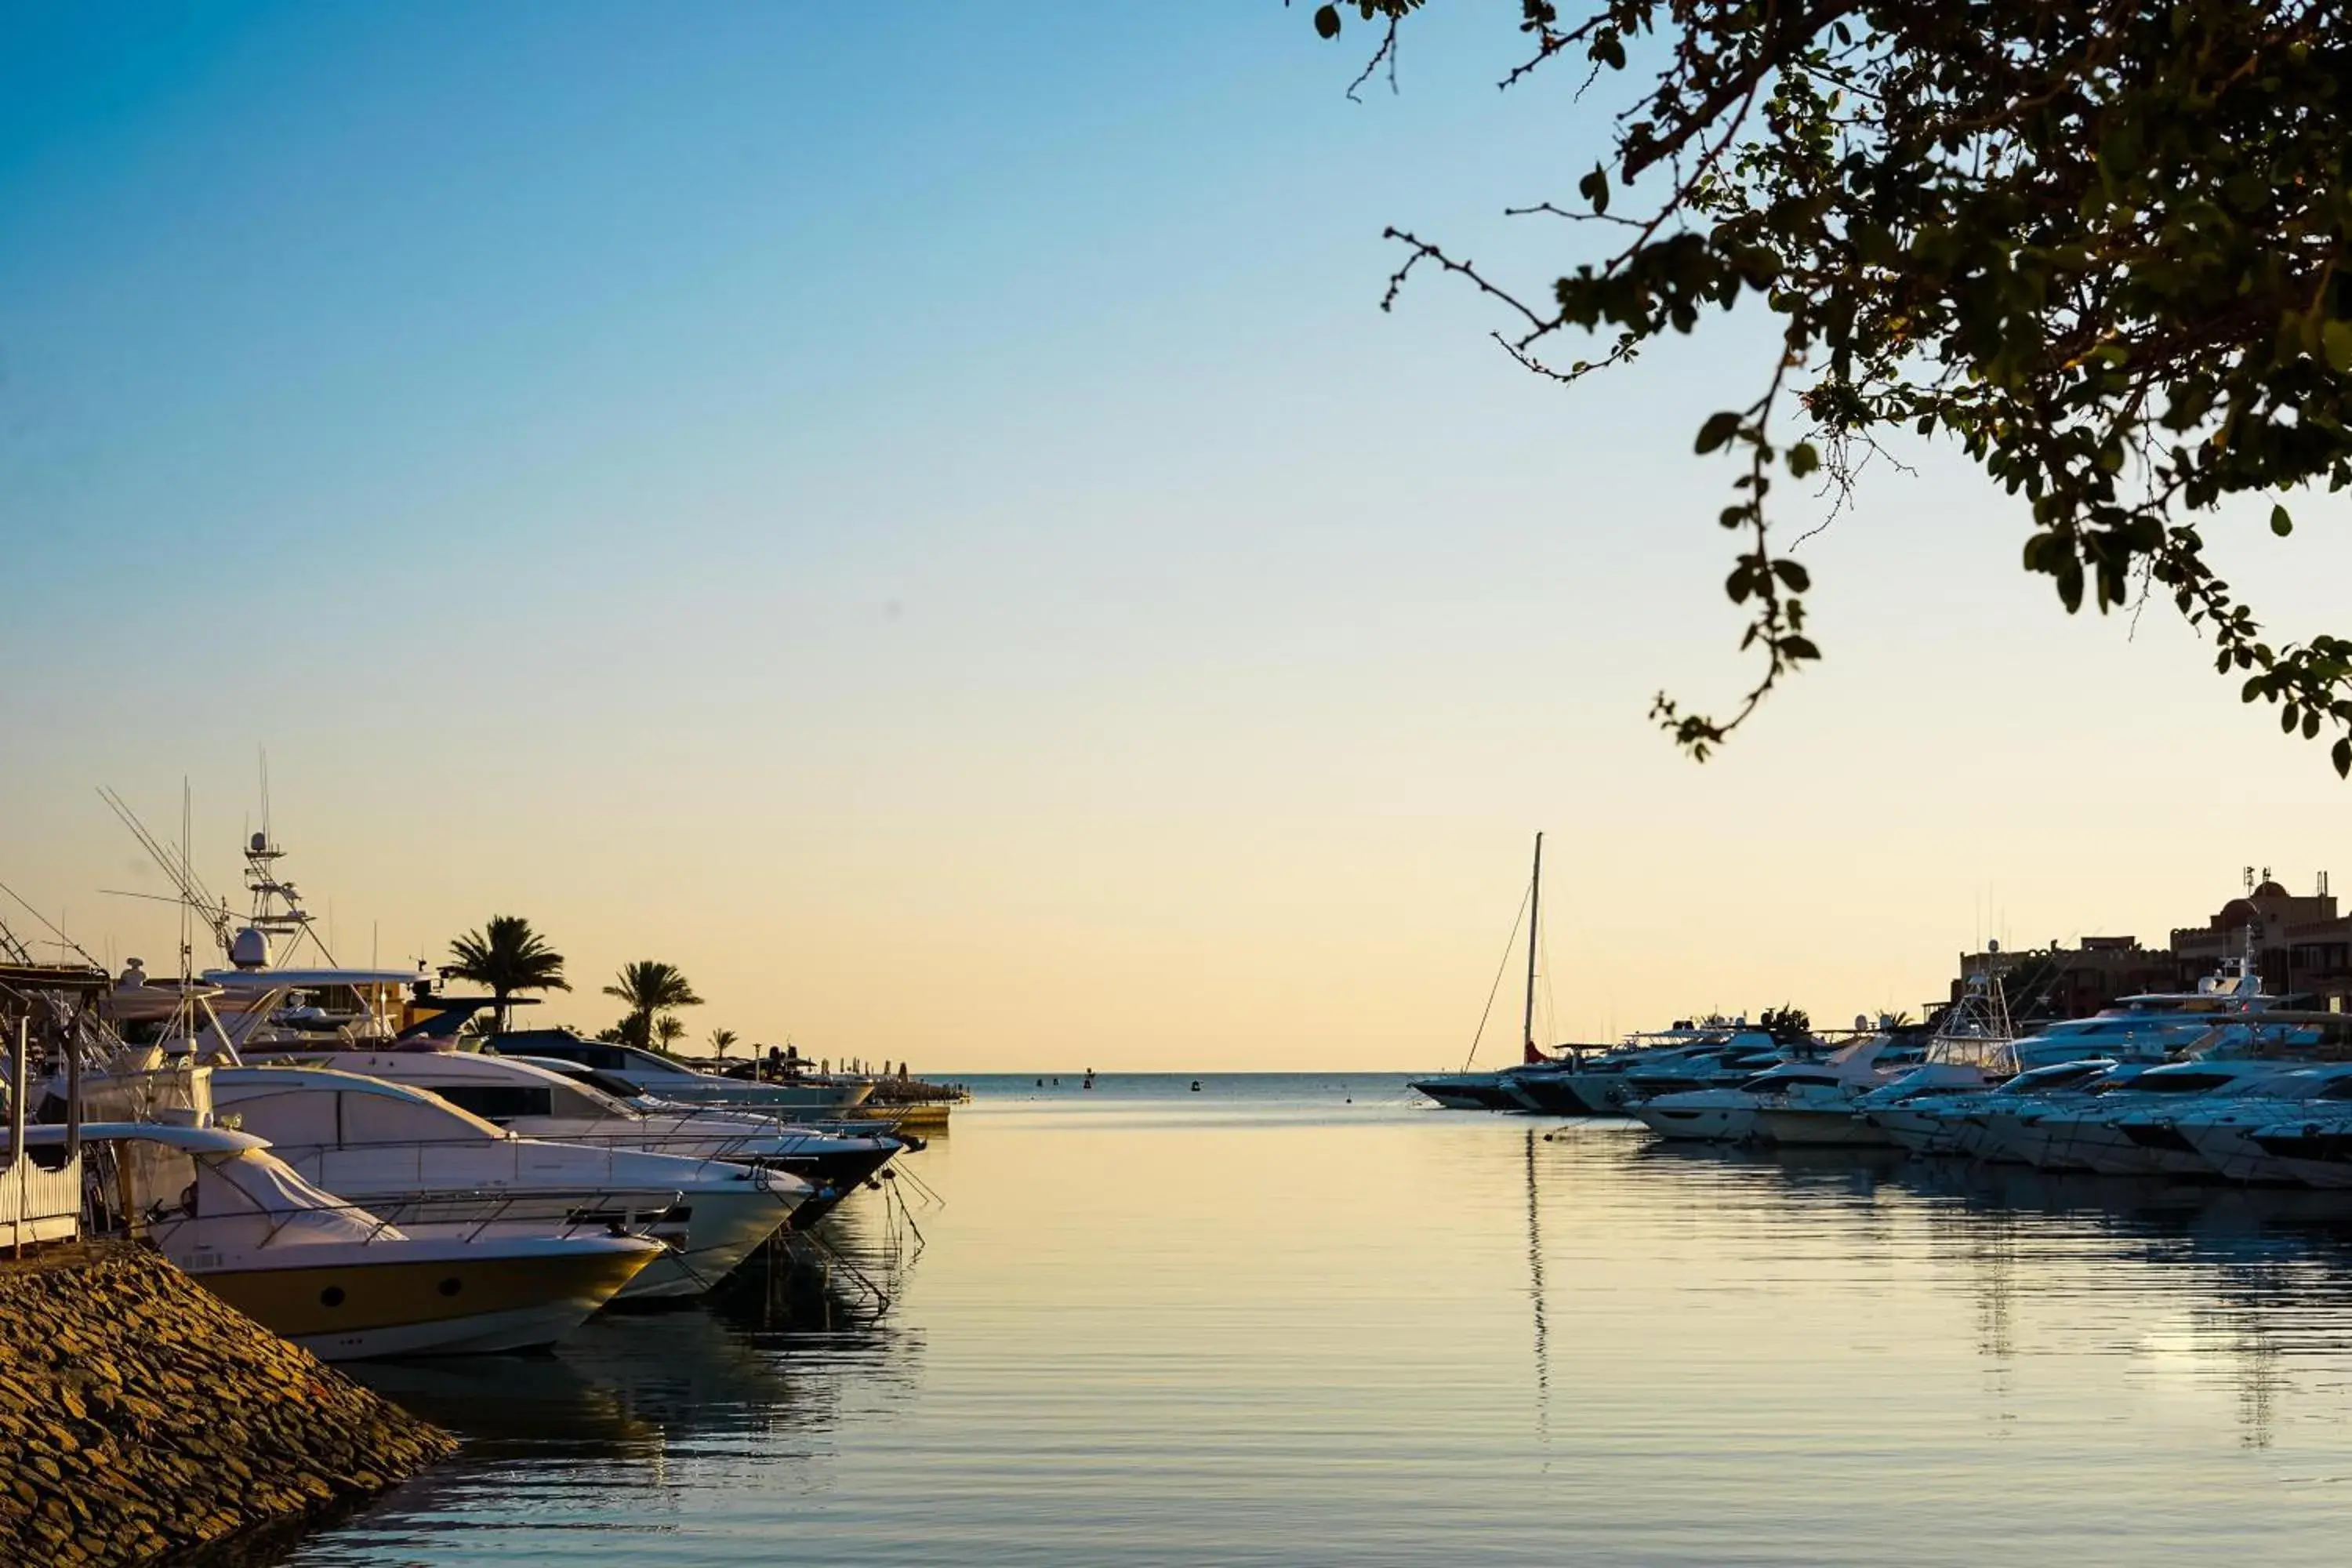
{"x":1303,"y":1320}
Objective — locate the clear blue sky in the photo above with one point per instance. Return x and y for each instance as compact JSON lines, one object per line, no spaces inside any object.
{"x":914,"y":513}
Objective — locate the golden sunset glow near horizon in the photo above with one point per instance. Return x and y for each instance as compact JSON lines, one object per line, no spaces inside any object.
{"x":934,"y":536}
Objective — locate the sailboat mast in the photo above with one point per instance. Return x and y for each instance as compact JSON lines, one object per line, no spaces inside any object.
{"x":1535,"y":919}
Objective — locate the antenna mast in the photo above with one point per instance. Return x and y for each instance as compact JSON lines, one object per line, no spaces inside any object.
{"x":1535,"y":921}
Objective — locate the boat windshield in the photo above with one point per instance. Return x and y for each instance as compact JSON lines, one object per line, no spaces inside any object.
{"x":2183,"y":1082}
{"x":2064,"y":1075}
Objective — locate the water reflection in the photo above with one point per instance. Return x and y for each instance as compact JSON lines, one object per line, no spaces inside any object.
{"x":2266,"y":1273}
{"x":1323,"y":1327}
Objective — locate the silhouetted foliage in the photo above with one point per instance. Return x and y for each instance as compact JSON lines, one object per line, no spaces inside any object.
{"x":649,"y":987}
{"x":2099,"y":247}
{"x":507,"y":956}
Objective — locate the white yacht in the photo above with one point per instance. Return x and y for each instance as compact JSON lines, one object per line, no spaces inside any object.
{"x":2152,"y":1025}
{"x":2005,"y":1125}
{"x":1820,"y":1110}
{"x":337,"y":1279}
{"x":823,"y":1094}
{"x":1717,"y":1063}
{"x":2218,"y":1135}
{"x":1732,"y":1114}
{"x":535,"y":1102}
{"x":432,"y":1168}
{"x":2081,"y":1131}
{"x":380,"y":1026}
{"x":1927,"y":1110}
{"x":2310,"y":1144}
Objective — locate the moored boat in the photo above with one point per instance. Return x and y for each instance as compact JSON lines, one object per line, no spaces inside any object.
{"x":341,"y":1281}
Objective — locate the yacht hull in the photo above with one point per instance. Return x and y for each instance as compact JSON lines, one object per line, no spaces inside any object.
{"x":2159,"y":1149}
{"x":352,"y":1310}
{"x":1604,"y":1091}
{"x":2315,"y":1157}
{"x":737,"y":1094}
{"x":1482,"y":1091}
{"x":2234,"y":1156}
{"x":2024,"y":1140}
{"x":1920,"y":1131}
{"x":1827,"y":1127}
{"x":717,"y":1232}
{"x":1551,"y":1093}
{"x":1695,"y":1122}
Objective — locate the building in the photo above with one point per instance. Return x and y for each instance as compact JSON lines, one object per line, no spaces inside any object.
{"x":2300,"y":943}
{"x":2060,"y":982}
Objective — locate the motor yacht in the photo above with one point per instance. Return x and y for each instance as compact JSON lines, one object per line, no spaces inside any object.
{"x":2004,"y":1125}
{"x":822,"y":1095}
{"x":2311,"y":1144}
{"x":337,"y":1279}
{"x":1820,"y":1111}
{"x":1548,"y":1088}
{"x":1732,"y":1114}
{"x":2156,"y":1025}
{"x":2082,"y":1132}
{"x":1469,"y":1091}
{"x":2219,"y":1135}
{"x":1597,"y":1078}
{"x":1715,"y":1064}
{"x":415,"y":1159}
{"x":1927,"y":1110}
{"x":535,"y":1102}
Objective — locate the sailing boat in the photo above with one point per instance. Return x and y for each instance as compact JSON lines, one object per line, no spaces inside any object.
{"x":1469,"y":1090}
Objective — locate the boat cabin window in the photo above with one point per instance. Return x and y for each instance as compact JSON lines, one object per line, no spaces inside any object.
{"x":612,"y":1084}
{"x":1787,"y":1080}
{"x":580,"y":1100}
{"x":294,"y":1116}
{"x":500,"y":1101}
{"x":396,"y":1119}
{"x":2183,"y":1082}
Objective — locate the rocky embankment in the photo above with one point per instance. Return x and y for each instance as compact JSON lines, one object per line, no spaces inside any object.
{"x":140,"y":1417}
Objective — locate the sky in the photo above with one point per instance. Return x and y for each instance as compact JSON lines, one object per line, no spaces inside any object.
{"x":915,"y":514}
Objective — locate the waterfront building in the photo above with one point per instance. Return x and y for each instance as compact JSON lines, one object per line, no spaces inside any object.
{"x":2300,"y":943}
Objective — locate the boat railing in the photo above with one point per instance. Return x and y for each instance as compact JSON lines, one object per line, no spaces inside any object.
{"x":615,"y":1211}
{"x":501,"y":1207}
{"x":619,"y":1212}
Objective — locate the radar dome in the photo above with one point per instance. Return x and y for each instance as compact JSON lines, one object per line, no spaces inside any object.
{"x":249,"y":949}
{"x":258,"y":842}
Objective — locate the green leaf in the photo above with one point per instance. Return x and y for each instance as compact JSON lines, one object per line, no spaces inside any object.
{"x":1326,"y":21}
{"x":2336,"y":338}
{"x":1718,"y":430}
{"x":2341,"y":755}
{"x":1789,"y":573}
{"x":2281,"y":524}
{"x":1802,"y":460}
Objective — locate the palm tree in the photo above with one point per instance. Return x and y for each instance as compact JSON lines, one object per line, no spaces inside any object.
{"x":650,"y":986}
{"x":508,"y":956}
{"x":668,"y":1032}
{"x":721,"y":1042}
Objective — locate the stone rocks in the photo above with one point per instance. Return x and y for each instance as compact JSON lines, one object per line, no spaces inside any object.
{"x":143,"y":1418}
